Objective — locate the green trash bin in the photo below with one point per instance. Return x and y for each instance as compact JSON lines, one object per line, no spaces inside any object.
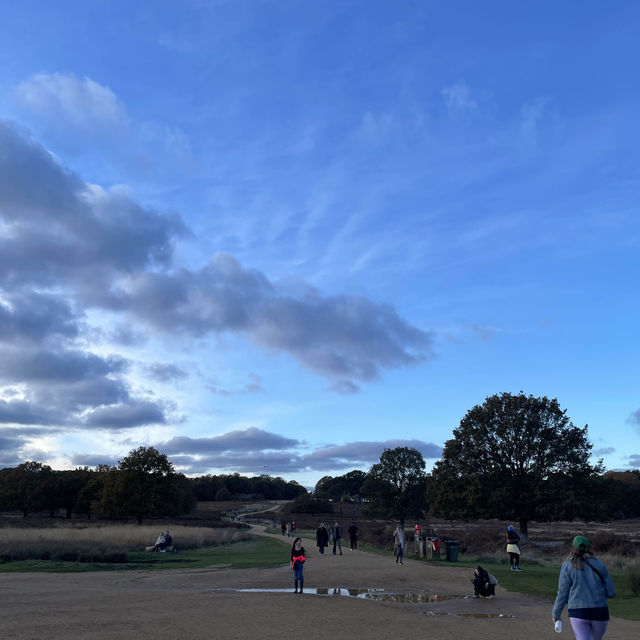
{"x":452,"y":547}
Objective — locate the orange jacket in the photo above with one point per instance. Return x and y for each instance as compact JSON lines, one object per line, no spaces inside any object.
{"x":295,"y":559}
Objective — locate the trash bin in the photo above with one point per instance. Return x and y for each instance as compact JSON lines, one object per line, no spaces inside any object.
{"x":433,"y":548}
{"x":452,"y":547}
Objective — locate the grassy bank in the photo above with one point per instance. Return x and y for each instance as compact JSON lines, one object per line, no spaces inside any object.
{"x":542,"y":581}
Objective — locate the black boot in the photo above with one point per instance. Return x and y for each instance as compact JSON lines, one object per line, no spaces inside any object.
{"x":301,"y":585}
{"x":296,"y":591}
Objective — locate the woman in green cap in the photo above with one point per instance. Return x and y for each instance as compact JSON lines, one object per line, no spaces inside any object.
{"x":584,"y":584}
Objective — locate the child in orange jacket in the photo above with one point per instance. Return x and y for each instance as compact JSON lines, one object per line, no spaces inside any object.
{"x":297,"y":563}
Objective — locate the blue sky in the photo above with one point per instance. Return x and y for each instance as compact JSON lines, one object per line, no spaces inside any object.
{"x":272,"y":236}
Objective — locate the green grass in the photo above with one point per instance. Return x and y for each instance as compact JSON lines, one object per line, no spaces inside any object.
{"x":542,"y":581}
{"x":255,"y":553}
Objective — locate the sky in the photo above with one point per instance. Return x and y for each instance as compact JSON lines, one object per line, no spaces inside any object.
{"x":277,"y":236}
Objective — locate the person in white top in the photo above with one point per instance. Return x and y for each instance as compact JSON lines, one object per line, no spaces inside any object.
{"x":159,"y":545}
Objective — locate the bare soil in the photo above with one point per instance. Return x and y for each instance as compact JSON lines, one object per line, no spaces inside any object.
{"x":204,"y":603}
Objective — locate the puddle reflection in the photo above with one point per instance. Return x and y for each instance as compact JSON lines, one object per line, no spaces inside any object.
{"x":379,"y":595}
{"x":467,"y":615}
{"x":384,"y":596}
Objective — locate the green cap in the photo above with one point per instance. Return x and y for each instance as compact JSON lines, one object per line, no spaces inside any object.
{"x":581,"y":541}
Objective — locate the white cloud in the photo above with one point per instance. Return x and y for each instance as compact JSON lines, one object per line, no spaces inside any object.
{"x":458,"y":98}
{"x":76,"y":114}
{"x":78,"y":103}
{"x":376,"y":129}
{"x":532,"y":114}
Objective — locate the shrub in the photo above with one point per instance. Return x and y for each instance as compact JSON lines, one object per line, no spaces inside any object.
{"x":602,"y":542}
{"x":634,"y":580}
{"x":305,"y":503}
{"x":223,"y":495}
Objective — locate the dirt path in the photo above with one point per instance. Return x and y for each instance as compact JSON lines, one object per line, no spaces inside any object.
{"x":205,"y":603}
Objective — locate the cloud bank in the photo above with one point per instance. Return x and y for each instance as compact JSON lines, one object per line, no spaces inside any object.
{"x":258,"y":451}
{"x":68,"y":248}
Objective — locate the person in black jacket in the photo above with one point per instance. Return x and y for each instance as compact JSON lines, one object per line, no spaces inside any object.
{"x":322,"y":538}
{"x":168,"y":540}
{"x":337,"y":538}
{"x":353,"y":536}
{"x":482,"y":583}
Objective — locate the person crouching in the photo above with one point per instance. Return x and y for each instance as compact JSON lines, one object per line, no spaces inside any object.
{"x":484,"y":584}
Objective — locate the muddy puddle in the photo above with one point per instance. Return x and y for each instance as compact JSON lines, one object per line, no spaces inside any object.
{"x":467,"y":615}
{"x":379,"y":595}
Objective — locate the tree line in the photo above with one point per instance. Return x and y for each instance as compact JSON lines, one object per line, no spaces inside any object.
{"x":514,"y":457}
{"x":141,"y":485}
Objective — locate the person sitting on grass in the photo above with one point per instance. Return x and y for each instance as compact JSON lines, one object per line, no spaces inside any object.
{"x":168,"y":540}
{"x":483,"y":585}
{"x":160,"y":541}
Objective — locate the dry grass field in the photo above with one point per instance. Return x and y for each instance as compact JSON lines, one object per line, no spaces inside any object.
{"x":618,"y":541}
{"x":110,"y":542}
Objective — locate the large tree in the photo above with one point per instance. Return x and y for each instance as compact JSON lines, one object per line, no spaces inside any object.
{"x":623,"y":493}
{"x":145,"y":484}
{"x":344,"y":488}
{"x":26,"y":487}
{"x":515,"y":457}
{"x":395,"y":486}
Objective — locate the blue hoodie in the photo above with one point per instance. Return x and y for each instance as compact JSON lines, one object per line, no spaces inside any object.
{"x":583,"y":589}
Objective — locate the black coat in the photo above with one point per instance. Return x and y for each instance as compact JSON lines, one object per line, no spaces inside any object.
{"x":322,"y":537}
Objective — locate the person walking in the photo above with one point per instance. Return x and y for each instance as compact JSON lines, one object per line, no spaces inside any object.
{"x":288,"y":529}
{"x":337,"y":538}
{"x":353,"y":536}
{"x":513,"y":549}
{"x":327,"y":526}
{"x":399,"y":544}
{"x":322,"y":538}
{"x":584,"y":585}
{"x":283,"y":527}
{"x":297,"y":564}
